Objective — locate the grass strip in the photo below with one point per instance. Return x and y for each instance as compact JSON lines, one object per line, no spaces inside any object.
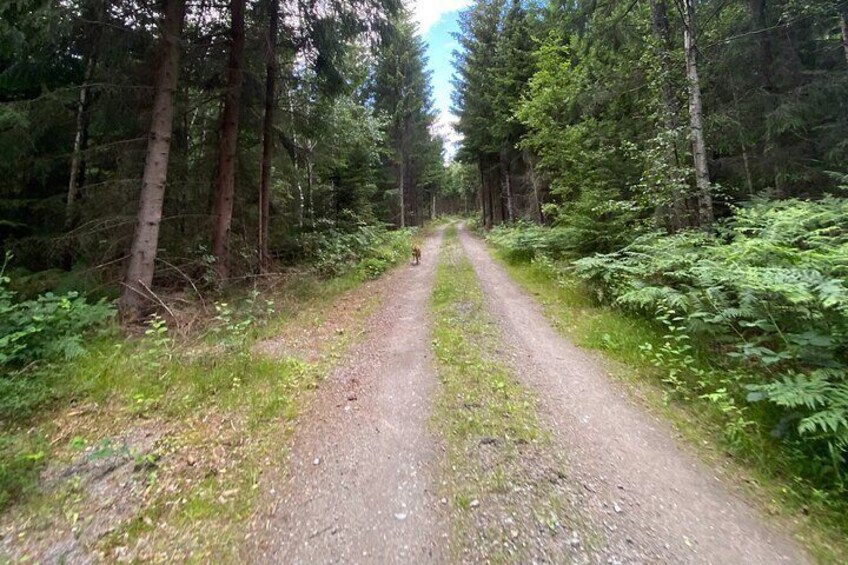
{"x":508,"y":492}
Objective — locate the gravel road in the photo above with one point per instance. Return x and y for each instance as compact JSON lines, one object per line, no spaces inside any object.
{"x":361,"y":473}
{"x":653,"y":501}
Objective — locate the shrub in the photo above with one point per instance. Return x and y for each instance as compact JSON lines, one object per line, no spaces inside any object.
{"x":35,"y":332}
{"x":47,"y":328}
{"x":769,"y":289}
{"x":371,"y":249}
{"x":525,"y":241}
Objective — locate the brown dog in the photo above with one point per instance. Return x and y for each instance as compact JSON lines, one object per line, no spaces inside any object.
{"x":416,"y":254}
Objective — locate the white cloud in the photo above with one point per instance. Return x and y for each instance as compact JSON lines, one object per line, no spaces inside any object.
{"x":429,"y":12}
{"x":444,"y":128}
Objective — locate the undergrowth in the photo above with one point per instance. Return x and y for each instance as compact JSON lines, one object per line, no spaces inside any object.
{"x":658,"y":352}
{"x":214,"y":387}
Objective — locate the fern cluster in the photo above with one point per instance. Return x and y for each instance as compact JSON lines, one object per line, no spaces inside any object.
{"x":49,"y":327}
{"x":769,"y":288}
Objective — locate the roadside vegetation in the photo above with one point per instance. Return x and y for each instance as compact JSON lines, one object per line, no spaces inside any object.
{"x":507,"y":487}
{"x":152,"y":446}
{"x":679,"y":188}
{"x":742,"y":331}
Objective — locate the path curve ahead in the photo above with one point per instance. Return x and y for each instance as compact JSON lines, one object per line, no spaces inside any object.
{"x":644,"y":491}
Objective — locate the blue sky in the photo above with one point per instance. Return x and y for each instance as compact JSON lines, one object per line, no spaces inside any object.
{"x":437,"y":20}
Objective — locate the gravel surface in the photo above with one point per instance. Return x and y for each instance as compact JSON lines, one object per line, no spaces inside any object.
{"x":360,"y":484}
{"x":653,"y":501}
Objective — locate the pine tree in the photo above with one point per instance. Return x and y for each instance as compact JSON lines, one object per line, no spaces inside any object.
{"x":228,"y":143}
{"x":474,"y":100}
{"x":402,"y":93}
{"x":142,"y":260}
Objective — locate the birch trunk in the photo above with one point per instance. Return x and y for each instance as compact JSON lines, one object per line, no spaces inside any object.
{"x":140,"y":269}
{"x":77,"y":160}
{"x":843,"y":24}
{"x":228,"y":145}
{"x":268,"y":135}
{"x":696,"y":118}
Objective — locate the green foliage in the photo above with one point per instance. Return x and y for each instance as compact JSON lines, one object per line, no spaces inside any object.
{"x":767,"y":292}
{"x":526,"y":241}
{"x":34,"y":335}
{"x":768,"y":289}
{"x":48,"y":328}
{"x":369,"y":249}
{"x":20,"y":462}
{"x":403,"y":98}
{"x":596,"y":204}
{"x":707,"y":402}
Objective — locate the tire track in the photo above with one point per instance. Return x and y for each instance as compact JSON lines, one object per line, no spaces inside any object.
{"x":360,"y":486}
{"x":654,"y":502}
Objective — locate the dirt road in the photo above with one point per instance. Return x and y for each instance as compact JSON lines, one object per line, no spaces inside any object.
{"x":646,"y":493}
{"x":362,"y":467}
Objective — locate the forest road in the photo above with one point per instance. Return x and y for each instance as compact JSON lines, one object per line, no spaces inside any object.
{"x":653,"y":501}
{"x":362,"y":467}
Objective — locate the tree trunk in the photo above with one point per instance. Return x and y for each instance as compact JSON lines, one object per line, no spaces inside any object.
{"x":268,"y":135}
{"x":76,"y":177}
{"x":696,"y":118}
{"x":402,"y":189}
{"x":310,"y":181}
{"x":495,"y":204}
{"x":140,"y":269}
{"x":433,"y":214}
{"x":507,"y":183}
{"x":483,"y":198}
{"x":498,"y":203}
{"x":746,"y":162}
{"x":843,"y":23}
{"x":759,"y":24}
{"x":228,"y":145}
{"x":661,"y":29}
{"x":309,"y":189}
{"x":301,"y":201}
{"x":537,"y":196}
{"x":80,"y":139}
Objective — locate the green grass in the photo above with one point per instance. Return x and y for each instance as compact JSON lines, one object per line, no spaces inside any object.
{"x":494,"y":440}
{"x":465,"y":342}
{"x":754,"y":460}
{"x":210,"y":390}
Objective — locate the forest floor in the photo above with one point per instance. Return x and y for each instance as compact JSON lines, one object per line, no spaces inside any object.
{"x":444,"y":420}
